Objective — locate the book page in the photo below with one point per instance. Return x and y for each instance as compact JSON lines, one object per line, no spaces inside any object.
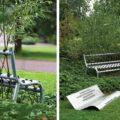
{"x":83,"y":98}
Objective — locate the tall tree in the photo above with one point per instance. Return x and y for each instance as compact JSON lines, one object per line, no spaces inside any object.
{"x":18,"y":14}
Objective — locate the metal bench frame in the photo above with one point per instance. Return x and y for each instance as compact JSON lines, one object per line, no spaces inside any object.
{"x":102,"y":65}
{"x":19,"y":83}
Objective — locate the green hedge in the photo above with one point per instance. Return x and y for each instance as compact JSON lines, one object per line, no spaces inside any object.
{"x":73,"y":78}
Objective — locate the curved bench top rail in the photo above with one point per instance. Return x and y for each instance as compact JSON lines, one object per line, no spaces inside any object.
{"x":101,"y":54}
{"x":99,"y":63}
{"x":110,"y":70}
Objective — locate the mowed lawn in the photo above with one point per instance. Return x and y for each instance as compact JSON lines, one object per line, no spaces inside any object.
{"x":110,"y":112}
{"x":47,"y":53}
{"x":48,"y":80}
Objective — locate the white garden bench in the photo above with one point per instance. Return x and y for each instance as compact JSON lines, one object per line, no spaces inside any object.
{"x":102,"y":63}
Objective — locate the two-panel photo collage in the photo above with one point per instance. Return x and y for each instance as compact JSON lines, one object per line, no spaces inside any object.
{"x":59,"y":60}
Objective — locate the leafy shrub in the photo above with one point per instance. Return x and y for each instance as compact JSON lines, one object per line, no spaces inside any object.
{"x":95,"y":34}
{"x":72,"y":49}
{"x":73,"y":78}
{"x":28,"y":40}
{"x":10,"y":110}
{"x":52,"y":39}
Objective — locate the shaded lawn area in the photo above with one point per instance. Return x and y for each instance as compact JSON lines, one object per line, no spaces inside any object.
{"x":110,"y":112}
{"x":47,"y":53}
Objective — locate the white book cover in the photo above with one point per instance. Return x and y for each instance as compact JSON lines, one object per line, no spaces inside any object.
{"x":91,"y":96}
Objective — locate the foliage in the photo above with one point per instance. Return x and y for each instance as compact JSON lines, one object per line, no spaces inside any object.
{"x":110,"y":112}
{"x":73,"y":49}
{"x":14,"y":111}
{"x":52,"y":39}
{"x":96,"y":33}
{"x":24,"y":110}
{"x":73,"y":78}
{"x":100,"y":33}
{"x":18,"y":18}
{"x":45,"y":26}
{"x":67,"y":24}
{"x":67,"y":27}
{"x":28,"y":40}
{"x":78,"y":7}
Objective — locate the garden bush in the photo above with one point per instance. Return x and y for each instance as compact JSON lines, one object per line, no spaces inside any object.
{"x":52,"y":39}
{"x":9,"y":110}
{"x":73,"y":78}
{"x":28,"y":40}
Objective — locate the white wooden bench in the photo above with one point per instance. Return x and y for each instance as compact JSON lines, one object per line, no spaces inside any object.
{"x":91,"y":97}
{"x":101,"y":63}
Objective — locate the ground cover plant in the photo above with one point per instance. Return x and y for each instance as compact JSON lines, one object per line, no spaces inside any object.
{"x":73,"y":78}
{"x":73,"y":75}
{"x":36,"y":111}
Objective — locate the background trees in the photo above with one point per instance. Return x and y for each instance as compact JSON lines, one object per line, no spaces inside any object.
{"x":97,"y":32}
{"x":28,"y":18}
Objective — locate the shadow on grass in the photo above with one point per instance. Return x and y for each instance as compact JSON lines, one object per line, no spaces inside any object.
{"x":91,"y":108}
{"x":69,"y":106}
{"x":37,"y":55}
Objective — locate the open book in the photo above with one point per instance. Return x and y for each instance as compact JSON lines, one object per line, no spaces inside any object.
{"x":91,"y":96}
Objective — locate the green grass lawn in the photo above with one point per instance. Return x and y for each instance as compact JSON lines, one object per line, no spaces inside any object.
{"x":10,"y":110}
{"x":48,"y":80}
{"x":110,"y":112}
{"x":47,"y":53}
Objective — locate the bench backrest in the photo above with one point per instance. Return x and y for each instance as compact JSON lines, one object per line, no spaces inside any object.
{"x":98,"y":59}
{"x":10,"y":53}
{"x":84,"y":97}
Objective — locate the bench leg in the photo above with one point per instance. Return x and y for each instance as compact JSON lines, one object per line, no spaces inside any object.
{"x":97,"y":75}
{"x":97,"y":72}
{"x":41,"y":94}
{"x":16,"y":92}
{"x":86,"y":70}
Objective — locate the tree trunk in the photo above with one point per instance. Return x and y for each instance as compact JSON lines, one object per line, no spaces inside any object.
{"x":18,"y":41}
{"x":18,"y":44}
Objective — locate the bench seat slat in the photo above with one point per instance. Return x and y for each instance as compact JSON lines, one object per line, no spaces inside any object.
{"x":97,"y":63}
{"x":7,"y":52}
{"x":109,"y":70}
{"x":102,"y":54}
{"x":106,"y":66}
{"x":5,"y":76}
{"x":30,"y":88}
